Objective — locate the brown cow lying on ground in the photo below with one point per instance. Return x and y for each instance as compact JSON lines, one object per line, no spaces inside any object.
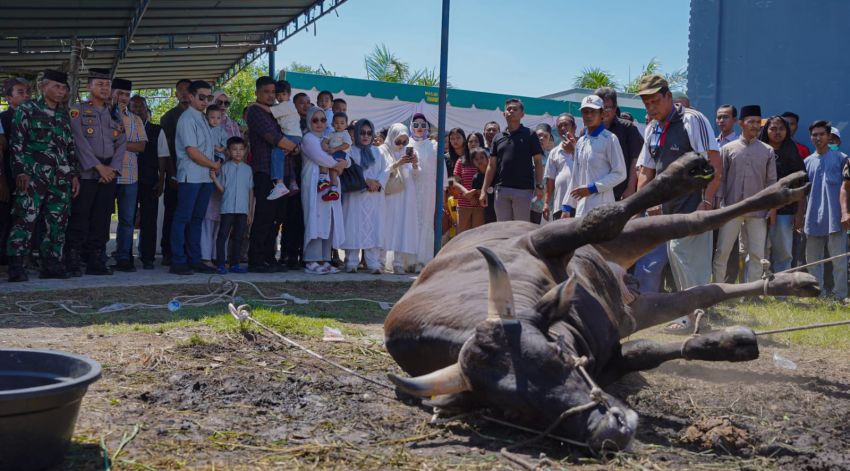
{"x":504,"y":330}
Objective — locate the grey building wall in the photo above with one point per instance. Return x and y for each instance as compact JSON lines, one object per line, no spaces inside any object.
{"x":785,"y":55}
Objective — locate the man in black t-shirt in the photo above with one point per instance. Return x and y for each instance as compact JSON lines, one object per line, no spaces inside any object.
{"x":515,"y":168}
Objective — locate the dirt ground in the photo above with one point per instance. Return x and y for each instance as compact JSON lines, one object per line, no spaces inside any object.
{"x":207,"y":398}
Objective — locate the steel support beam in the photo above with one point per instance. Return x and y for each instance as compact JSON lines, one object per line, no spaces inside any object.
{"x":441,"y":127}
{"x":127,"y":39}
{"x":303,"y":19}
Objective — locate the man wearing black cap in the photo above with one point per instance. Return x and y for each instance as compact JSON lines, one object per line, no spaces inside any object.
{"x":101,"y":143}
{"x":127,"y":183}
{"x":673,"y":132}
{"x":45,"y":167}
{"x":749,"y":166}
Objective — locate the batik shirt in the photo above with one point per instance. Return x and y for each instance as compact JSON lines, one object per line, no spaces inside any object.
{"x":135,"y":132}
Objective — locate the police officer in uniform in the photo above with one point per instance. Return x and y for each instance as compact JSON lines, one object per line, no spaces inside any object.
{"x":45,"y":168}
{"x":101,"y":143}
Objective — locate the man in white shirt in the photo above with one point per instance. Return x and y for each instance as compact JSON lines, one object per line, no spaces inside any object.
{"x":598,"y":166}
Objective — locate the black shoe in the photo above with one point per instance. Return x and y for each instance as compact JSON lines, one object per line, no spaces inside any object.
{"x":147,"y":265}
{"x":97,"y":268}
{"x":17,"y":272}
{"x":72,"y":263}
{"x":52,"y":269}
{"x":259,"y":268}
{"x":166,"y":260}
{"x":202,"y":268}
{"x":124,"y":265}
{"x":280,"y":267}
{"x":178,"y":269}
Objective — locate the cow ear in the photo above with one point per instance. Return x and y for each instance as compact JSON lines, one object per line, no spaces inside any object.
{"x":557,"y":301}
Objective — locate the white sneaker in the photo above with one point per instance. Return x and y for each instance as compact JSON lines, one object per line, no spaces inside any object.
{"x":278,"y":191}
{"x":330,"y":268}
{"x":314,"y":268}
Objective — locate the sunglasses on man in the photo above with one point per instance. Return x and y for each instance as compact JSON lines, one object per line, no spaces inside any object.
{"x":203,"y":97}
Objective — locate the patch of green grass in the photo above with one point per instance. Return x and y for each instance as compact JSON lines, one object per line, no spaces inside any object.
{"x":791,"y":313}
{"x":772,"y":314}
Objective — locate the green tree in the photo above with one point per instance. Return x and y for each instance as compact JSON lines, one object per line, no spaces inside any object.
{"x":678,"y":80}
{"x":159,"y":101}
{"x":593,"y":78}
{"x":384,"y":65}
{"x":240,"y":89}
{"x":307,"y":69}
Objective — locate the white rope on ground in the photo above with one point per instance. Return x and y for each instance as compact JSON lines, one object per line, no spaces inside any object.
{"x":221,"y":290}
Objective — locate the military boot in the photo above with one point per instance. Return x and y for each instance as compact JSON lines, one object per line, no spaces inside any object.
{"x":72,"y":263}
{"x":97,"y":266}
{"x":17,"y":272}
{"x":52,"y":268}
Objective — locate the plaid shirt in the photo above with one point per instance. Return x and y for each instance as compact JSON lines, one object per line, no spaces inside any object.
{"x":263,"y":138}
{"x":134,"y":128}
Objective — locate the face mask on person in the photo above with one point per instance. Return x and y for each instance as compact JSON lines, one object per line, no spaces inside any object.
{"x":833,"y":147}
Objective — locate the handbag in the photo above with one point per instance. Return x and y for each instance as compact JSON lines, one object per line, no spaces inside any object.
{"x":351,"y":179}
{"x":395,"y":184}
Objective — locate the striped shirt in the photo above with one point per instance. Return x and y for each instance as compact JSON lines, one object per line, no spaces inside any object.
{"x":696,"y":126}
{"x":465,"y":173}
{"x":134,"y":129}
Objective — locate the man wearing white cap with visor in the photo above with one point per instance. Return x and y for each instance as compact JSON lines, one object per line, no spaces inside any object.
{"x":598,"y":164}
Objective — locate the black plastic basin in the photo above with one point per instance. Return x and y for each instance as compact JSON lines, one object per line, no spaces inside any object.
{"x":40,"y":394}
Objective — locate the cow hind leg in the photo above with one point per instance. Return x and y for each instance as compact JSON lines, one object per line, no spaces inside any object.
{"x":650,"y":309}
{"x":730,"y":344}
{"x":640,"y":236}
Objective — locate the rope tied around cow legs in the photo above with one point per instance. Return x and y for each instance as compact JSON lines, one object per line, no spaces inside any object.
{"x":698,"y":315}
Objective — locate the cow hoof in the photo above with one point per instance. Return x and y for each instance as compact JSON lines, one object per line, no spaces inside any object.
{"x":793,"y":284}
{"x":730,"y":344}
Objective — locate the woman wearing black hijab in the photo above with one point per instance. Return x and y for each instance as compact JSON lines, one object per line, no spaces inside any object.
{"x":777,"y":135}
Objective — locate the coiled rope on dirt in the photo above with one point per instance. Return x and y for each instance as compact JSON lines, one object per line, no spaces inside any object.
{"x":220,"y":289}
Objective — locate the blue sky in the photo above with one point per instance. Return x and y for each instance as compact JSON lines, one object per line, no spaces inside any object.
{"x":501,"y":46}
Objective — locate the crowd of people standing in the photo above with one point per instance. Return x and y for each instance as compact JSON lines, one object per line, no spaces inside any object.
{"x":302,"y":185}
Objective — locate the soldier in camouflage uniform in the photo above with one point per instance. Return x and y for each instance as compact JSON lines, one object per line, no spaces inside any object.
{"x":45,"y":168}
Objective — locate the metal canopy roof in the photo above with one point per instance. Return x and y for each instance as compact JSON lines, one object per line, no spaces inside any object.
{"x":151,"y":42}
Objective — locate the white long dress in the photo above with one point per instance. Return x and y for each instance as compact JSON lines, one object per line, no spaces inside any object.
{"x":319,"y":215}
{"x":426,"y":193}
{"x":364,"y":210}
{"x":401,"y":232}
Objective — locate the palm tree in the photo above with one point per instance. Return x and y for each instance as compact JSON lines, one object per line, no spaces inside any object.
{"x":678,"y":80}
{"x":307,"y":69}
{"x":382,"y":64}
{"x":593,"y":78}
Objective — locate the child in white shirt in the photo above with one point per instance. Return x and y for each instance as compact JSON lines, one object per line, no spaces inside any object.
{"x":290,"y":123}
{"x":337,"y":144}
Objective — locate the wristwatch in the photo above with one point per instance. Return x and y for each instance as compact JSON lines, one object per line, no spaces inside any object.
{"x":539,"y":186}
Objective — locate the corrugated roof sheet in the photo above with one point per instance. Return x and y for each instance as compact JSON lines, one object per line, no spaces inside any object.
{"x":153,"y":42}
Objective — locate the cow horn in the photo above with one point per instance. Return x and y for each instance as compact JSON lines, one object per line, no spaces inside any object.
{"x":500,"y":298}
{"x":447,"y":380}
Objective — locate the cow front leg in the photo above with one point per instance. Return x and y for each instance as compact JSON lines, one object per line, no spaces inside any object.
{"x":730,"y":344}
{"x":560,"y":238}
{"x":640,"y":236}
{"x":650,"y":309}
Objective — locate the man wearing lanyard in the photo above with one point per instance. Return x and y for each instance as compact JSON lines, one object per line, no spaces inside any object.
{"x":673,"y":132}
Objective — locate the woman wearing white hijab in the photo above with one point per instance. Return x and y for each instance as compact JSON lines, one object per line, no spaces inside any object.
{"x":426,"y":187}
{"x":364,"y":210}
{"x":323,"y":222}
{"x":402,"y":228}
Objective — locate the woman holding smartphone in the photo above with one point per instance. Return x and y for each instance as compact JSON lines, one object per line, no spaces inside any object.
{"x":402,"y":226}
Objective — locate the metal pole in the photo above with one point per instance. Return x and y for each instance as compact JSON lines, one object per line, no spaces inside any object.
{"x":441,"y":124}
{"x":272,"y":50}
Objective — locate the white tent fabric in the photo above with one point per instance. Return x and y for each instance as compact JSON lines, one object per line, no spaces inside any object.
{"x":384,"y":113}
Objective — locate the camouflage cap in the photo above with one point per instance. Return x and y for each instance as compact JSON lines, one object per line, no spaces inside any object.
{"x":651,"y":84}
